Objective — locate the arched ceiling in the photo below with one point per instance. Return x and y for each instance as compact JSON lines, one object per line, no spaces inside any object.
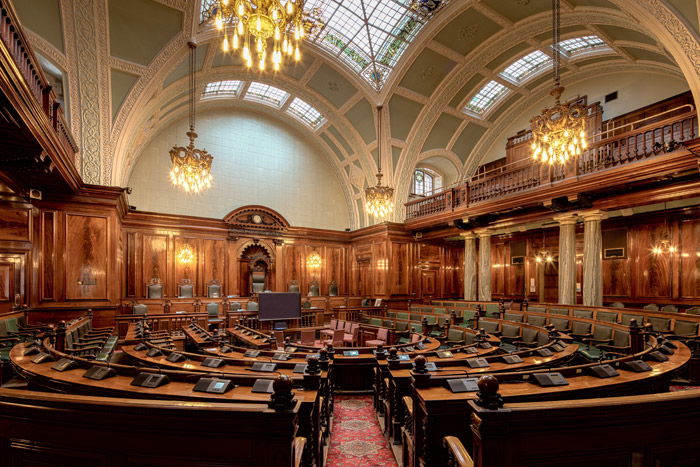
{"x":125,"y":70}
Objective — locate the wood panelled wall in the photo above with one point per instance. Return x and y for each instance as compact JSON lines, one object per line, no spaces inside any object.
{"x":639,"y":276}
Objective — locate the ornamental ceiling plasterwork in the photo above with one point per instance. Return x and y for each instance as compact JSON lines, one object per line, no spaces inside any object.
{"x":117,"y":89}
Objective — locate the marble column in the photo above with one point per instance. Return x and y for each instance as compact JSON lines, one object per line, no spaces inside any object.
{"x":592,"y":258}
{"x":567,"y":259}
{"x":484,"y":265}
{"x":470,"y":266}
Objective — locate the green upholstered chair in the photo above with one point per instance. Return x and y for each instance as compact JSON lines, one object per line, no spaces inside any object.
{"x":185,"y":289}
{"x":685,"y":329}
{"x":670,"y":309}
{"x":607,"y":316}
{"x":214,"y":289}
{"x":536,"y":320}
{"x":455,"y":336}
{"x":537,"y":309}
{"x":559,"y":311}
{"x":617,"y":305}
{"x":439,"y":310}
{"x":402,"y":315}
{"x":252,"y":306}
{"x":601,"y":335}
{"x":660,"y":324}
{"x":375,"y":321}
{"x":542,"y":338}
{"x":529,"y":338}
{"x":695,"y":310}
{"x":314,"y":290}
{"x":626,"y":318}
{"x":490,"y":327}
{"x":293,"y":287}
{"x":333,"y":289}
{"x":587,"y":314}
{"x":620,"y":344}
{"x":517,"y":317}
{"x":140,"y":309}
{"x":154,"y":291}
{"x":561,"y":324}
{"x":510,"y":332}
{"x":651,"y":307}
{"x":468,"y":317}
{"x":388,"y":323}
{"x":580,"y":330}
{"x":234,"y":306}
{"x":213,"y":313}
{"x":491,"y":310}
{"x":401,"y":326}
{"x":469,"y":338}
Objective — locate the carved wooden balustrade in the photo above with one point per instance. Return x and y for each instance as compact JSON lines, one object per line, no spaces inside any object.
{"x":605,"y":154}
{"x":21,"y":53}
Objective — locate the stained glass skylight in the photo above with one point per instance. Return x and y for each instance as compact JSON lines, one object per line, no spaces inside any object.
{"x":266,"y":94}
{"x":486,"y":97}
{"x":581,"y":44}
{"x":304,"y":112}
{"x":229,"y":88}
{"x":526,"y":67}
{"x":369,"y":36}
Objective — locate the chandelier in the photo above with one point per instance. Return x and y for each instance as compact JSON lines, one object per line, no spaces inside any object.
{"x":559,"y":132}
{"x":379,"y":200}
{"x":191,"y":167}
{"x":248,"y":25}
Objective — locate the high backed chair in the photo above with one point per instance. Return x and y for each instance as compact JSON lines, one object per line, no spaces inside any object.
{"x":252,"y":306}
{"x":353,"y":337}
{"x":617,"y":305}
{"x":670,"y":309}
{"x":293,"y":287}
{"x":529,"y":338}
{"x":257,"y":279}
{"x":185,"y":289}
{"x":308,"y":337}
{"x":381,"y":339}
{"x":154,"y":289}
{"x":620,"y":344}
{"x":214,"y":289}
{"x":651,"y":307}
{"x":366,"y":302}
{"x":279,"y":339}
{"x":693,"y":310}
{"x":337,"y":339}
{"x":213,"y":313}
{"x":329,"y":332}
{"x":234,"y":306}
{"x":333,"y":289}
{"x":139,"y":308}
{"x":314,"y":290}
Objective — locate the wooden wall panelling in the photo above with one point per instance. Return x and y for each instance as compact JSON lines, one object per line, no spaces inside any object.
{"x":153,"y":258}
{"x":380,"y":268}
{"x":213,"y":264}
{"x":335,"y":269}
{"x":7,"y":281}
{"x":689,"y":258}
{"x":498,"y":270}
{"x":47,"y":264}
{"x":12,"y":279}
{"x":15,"y":225}
{"x":616,"y":271}
{"x":651,"y":273}
{"x":87,"y":251}
{"x":400,"y":268}
{"x":182,"y":270}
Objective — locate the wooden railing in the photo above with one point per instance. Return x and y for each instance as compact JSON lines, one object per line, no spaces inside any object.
{"x":21,"y":52}
{"x":609,"y":153}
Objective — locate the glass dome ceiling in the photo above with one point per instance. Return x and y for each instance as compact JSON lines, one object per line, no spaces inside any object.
{"x":369,"y":36}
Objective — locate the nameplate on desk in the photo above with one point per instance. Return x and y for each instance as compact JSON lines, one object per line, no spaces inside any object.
{"x":266,"y":367}
{"x":251,"y":353}
{"x":638,"y":366}
{"x":511,"y":359}
{"x":604,"y":371}
{"x":175,"y":357}
{"x":290,"y":349}
{"x":470,"y":350}
{"x":42,"y":358}
{"x":150,"y":380}
{"x":312,"y":355}
{"x":429,"y":366}
{"x":420,"y":346}
{"x":557,"y":347}
{"x":299,"y":368}
{"x":544,"y":352}
{"x":550,"y":379}
{"x":404,"y":357}
{"x":445,"y":354}
{"x":477,"y":362}
{"x":213,"y":362}
{"x":65,"y":364}
{"x":263,"y":386}
{"x":463,"y":385}
{"x":99,"y":372}
{"x":351,"y":353}
{"x":280,"y":356}
{"x":213,"y":385}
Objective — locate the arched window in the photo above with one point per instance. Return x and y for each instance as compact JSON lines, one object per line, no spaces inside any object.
{"x":423,"y":182}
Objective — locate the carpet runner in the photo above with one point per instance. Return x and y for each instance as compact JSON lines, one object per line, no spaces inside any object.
{"x":357,"y":439}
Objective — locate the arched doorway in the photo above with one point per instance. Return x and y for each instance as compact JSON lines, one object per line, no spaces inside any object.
{"x":256,"y":270}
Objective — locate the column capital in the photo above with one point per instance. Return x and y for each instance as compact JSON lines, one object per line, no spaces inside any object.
{"x":483,"y":233}
{"x":468,"y":235}
{"x":567,"y":219}
{"x":594,"y":215}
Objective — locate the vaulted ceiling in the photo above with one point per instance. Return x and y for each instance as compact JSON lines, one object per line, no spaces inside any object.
{"x":450,"y":86}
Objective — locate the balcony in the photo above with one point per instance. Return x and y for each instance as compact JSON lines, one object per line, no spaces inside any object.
{"x":622,"y":155}
{"x":37,"y":136}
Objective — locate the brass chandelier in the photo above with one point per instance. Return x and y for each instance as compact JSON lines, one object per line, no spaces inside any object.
{"x":379,"y":199}
{"x":559,"y":132}
{"x":248,"y":25}
{"x":191,"y":167}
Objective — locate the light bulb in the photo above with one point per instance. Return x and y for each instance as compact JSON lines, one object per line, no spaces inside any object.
{"x":235,"y":41}
{"x":297,"y":54}
{"x":240,"y":26}
{"x":224,"y":45}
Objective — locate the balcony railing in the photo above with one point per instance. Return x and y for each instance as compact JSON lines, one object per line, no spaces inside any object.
{"x":19,"y":49}
{"x":609,"y":153}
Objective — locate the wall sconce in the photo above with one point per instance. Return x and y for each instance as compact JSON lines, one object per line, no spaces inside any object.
{"x":382,"y":264}
{"x":186,"y":254}
{"x":314,"y":261}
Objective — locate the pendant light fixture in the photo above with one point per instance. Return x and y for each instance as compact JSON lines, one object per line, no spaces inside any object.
{"x":559,"y":132}
{"x":191,"y":167}
{"x":379,"y":199}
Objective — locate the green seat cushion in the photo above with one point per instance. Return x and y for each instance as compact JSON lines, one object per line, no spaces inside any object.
{"x":537,"y":320}
{"x":685,"y":328}
{"x":580,"y":328}
{"x":660,"y":324}
{"x":510,"y":330}
{"x":529,"y":335}
{"x":621,"y":338}
{"x":588,"y":314}
{"x":559,"y":311}
{"x":518,"y":317}
{"x":375,"y":321}
{"x":402,"y":315}
{"x":602,"y":332}
{"x":627,"y":318}
{"x":607,"y":316}
{"x":455,"y":334}
{"x":489,"y":326}
{"x":560,"y":323}
{"x":537,"y":309}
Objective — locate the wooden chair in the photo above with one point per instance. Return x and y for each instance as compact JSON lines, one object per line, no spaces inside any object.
{"x":381,"y":339}
{"x":308,"y":337}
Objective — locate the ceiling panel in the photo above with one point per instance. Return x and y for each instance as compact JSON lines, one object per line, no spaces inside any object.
{"x":362,"y":118}
{"x":516,"y":10}
{"x":332,"y":85}
{"x":624,"y":34}
{"x":43,"y":17}
{"x":403,"y":113}
{"x":426,"y":72}
{"x":442,"y":132}
{"x":122,"y":83}
{"x":467,"y":140}
{"x":183,"y":67}
{"x":467,"y":31}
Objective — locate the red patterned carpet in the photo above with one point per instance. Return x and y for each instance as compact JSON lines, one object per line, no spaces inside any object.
{"x":357,"y":439}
